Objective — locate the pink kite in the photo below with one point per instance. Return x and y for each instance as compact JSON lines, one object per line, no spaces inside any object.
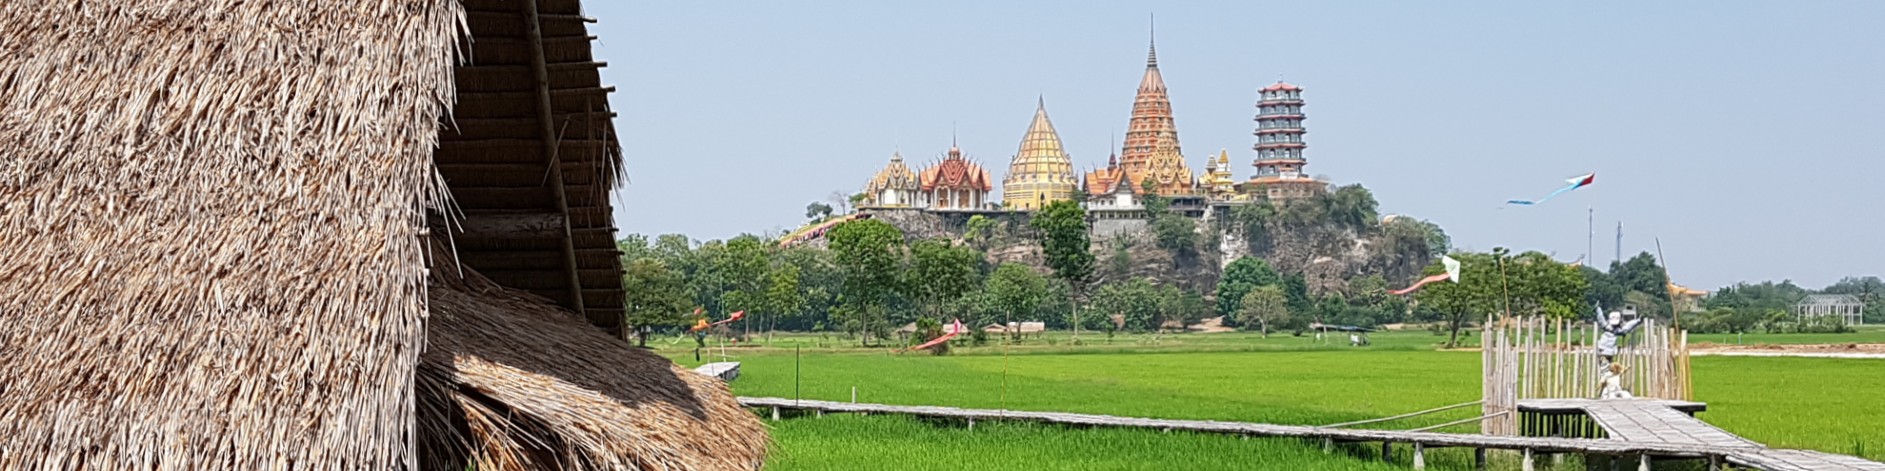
{"x":954,"y":329}
{"x":1452,"y":274}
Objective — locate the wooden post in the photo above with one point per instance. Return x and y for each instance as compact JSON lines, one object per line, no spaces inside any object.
{"x":1420,"y":456}
{"x":1526,"y":464}
{"x":1387,"y":450}
{"x":546,"y":131}
{"x":971,"y":424}
{"x":1642,"y":462}
{"x":1714,"y":463}
{"x":775,"y":413}
{"x":1479,"y":459}
{"x":1328,"y":445}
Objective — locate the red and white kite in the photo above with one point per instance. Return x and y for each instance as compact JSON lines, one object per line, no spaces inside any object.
{"x":1576,"y":182}
{"x":954,"y":329}
{"x":1452,"y":274}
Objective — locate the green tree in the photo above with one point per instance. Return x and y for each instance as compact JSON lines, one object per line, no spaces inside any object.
{"x":1253,"y":221}
{"x":1155,"y":205}
{"x":784,"y":296}
{"x":1181,"y":306}
{"x":980,"y":230}
{"x":1264,"y":306}
{"x":869,"y":254}
{"x":1540,"y":286}
{"x":1476,"y":294}
{"x":1176,"y":234}
{"x":742,"y":269}
{"x":1061,"y":229}
{"x":1017,"y":290}
{"x":1239,"y":278}
{"x":656,"y":298}
{"x":1136,"y":301}
{"x":1352,"y":206}
{"x":940,"y":273}
{"x":1869,"y":289}
{"x":817,"y":211}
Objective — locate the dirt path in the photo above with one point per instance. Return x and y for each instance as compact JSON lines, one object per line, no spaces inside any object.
{"x":1842,"y":350}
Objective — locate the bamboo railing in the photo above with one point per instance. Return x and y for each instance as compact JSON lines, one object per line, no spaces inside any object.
{"x":1540,"y":358}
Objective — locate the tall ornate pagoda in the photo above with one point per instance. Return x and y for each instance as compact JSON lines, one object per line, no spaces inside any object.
{"x":1280,"y":146}
{"x":893,"y":187}
{"x":955,"y":183}
{"x":1040,"y":171}
{"x":1152,"y":149}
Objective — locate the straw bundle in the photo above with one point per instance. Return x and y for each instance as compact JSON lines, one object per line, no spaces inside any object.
{"x":209,"y":226}
{"x":509,"y":381}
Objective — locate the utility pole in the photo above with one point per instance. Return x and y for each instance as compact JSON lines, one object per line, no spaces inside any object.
{"x":1590,"y":234}
{"x":1619,"y":258}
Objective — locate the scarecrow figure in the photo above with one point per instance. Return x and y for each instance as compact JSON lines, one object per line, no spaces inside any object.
{"x":1613,"y":328}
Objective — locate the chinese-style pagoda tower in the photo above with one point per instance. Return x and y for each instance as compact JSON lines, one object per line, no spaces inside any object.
{"x":1280,"y":146}
{"x":1041,"y":172}
{"x":954,"y":183}
{"x":1152,"y":149}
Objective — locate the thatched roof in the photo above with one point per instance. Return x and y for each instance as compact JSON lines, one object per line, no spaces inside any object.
{"x":211,"y":214}
{"x":511,"y":381}
{"x":212,"y":218}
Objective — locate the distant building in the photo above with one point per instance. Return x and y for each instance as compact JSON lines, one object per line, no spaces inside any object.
{"x":893,"y":187}
{"x":1844,"y":306}
{"x":1686,"y":299}
{"x":1041,"y":172}
{"x":955,"y":183}
{"x":1217,"y":181}
{"x":1151,"y":150}
{"x":1280,"y":146}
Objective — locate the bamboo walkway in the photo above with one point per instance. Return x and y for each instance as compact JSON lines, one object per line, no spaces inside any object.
{"x":1648,"y":420}
{"x":1643,"y":442}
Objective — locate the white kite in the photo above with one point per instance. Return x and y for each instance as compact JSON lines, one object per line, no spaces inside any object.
{"x":1452,"y":274}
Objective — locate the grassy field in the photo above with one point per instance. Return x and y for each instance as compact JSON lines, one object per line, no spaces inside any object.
{"x":852,"y":442}
{"x":1823,"y":404}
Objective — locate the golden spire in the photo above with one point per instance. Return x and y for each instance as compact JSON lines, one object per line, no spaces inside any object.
{"x":1041,"y":171}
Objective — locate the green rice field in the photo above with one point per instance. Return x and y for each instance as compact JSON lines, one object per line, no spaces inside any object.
{"x":1824,"y":404}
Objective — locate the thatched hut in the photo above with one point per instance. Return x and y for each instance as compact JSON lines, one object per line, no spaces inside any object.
{"x":322,"y":234}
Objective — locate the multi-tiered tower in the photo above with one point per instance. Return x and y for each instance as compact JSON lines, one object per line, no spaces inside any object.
{"x":1280,"y":146}
{"x":1041,"y":172}
{"x":1152,"y":149}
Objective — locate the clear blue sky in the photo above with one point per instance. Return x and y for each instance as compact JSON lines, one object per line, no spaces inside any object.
{"x":1746,"y":135}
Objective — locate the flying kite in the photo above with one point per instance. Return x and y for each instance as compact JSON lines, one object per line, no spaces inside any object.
{"x":954,"y":329}
{"x":1452,"y":274}
{"x":1575,"y":183}
{"x":702,"y":324}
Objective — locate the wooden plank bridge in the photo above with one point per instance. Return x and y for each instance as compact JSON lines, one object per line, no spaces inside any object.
{"x":1639,"y":429}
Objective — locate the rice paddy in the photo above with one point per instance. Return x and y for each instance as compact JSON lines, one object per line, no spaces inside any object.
{"x":1821,"y":404}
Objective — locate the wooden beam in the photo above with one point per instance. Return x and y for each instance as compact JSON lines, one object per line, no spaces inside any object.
{"x":506,"y":225}
{"x":541,"y":68}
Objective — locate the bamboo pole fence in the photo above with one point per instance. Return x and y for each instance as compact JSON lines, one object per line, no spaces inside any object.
{"x":1540,"y":358}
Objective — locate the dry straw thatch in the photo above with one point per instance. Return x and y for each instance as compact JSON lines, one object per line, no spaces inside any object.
{"x":211,"y":257}
{"x":521,"y":384}
{"x":210,"y":214}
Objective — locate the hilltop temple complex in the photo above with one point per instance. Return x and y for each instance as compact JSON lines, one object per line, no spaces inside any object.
{"x":1150,"y":162}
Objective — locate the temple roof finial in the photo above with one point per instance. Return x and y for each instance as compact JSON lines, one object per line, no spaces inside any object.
{"x":1151,"y":56}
